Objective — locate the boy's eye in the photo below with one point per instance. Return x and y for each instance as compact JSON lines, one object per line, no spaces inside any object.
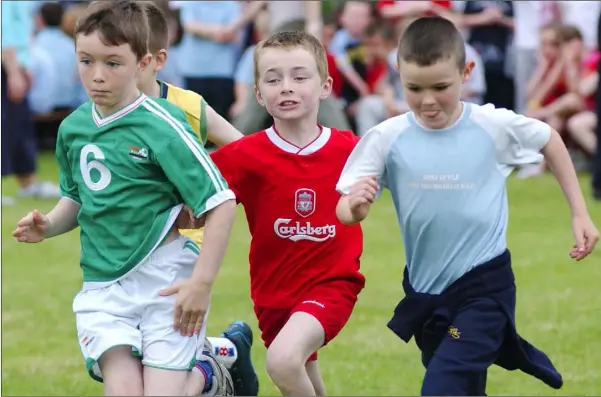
{"x":441,"y":87}
{"x":300,"y":78}
{"x":112,"y":64}
{"x":85,"y":62}
{"x":414,"y":89}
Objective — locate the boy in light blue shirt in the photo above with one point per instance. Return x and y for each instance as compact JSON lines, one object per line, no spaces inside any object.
{"x":445,"y":164}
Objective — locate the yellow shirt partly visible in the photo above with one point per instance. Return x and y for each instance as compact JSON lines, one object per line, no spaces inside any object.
{"x":195,"y":108}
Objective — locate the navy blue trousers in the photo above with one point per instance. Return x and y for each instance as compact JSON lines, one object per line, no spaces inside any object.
{"x":19,"y":150}
{"x":467,"y":329}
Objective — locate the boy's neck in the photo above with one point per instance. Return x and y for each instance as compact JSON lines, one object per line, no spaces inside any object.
{"x":298,"y":132}
{"x":106,"y":111}
{"x":151,"y":89}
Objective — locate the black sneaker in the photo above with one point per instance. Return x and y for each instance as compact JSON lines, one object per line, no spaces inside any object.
{"x":597,"y":194}
{"x":246,"y":382}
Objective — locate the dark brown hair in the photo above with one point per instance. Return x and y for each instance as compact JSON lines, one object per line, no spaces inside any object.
{"x":117,"y":22}
{"x":156,"y":12}
{"x":431,"y":39}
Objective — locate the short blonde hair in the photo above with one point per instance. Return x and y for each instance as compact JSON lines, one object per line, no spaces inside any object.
{"x":290,"y":40}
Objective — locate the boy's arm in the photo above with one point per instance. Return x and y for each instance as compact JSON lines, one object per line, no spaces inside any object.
{"x":219,"y":131}
{"x":560,"y":162}
{"x":520,"y":140}
{"x":63,"y":217}
{"x":366,"y":163}
{"x":202,"y":187}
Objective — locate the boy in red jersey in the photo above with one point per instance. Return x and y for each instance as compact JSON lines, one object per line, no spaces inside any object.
{"x":304,"y":263}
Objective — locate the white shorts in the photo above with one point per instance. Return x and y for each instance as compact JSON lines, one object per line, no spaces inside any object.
{"x":130,"y":312}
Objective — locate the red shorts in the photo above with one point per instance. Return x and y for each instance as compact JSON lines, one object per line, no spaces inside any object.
{"x":331,"y":303}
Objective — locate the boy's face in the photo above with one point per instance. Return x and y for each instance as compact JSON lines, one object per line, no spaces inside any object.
{"x":355,"y":17}
{"x":549,"y":45}
{"x":573,"y":50}
{"x":433,"y":92}
{"x":108,"y":73}
{"x":375,"y":46}
{"x":148,"y":76}
{"x":289,"y":85}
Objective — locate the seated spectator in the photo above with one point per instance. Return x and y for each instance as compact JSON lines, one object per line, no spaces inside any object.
{"x":370,"y":62}
{"x":565,"y":102}
{"x":582,"y":126}
{"x":547,"y":83}
{"x":388,"y":100}
{"x":355,"y":18}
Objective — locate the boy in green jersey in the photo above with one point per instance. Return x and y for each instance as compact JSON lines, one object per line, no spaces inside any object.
{"x":146,"y":288}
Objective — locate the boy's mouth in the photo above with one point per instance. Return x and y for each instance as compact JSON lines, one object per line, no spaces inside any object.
{"x":288,"y":103}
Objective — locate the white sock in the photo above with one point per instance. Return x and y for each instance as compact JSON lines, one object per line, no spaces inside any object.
{"x":224,"y":351}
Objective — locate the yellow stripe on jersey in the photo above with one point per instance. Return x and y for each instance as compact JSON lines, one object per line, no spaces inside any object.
{"x":191,"y":103}
{"x":195,"y":108}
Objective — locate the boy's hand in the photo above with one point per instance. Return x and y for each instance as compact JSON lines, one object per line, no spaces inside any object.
{"x":31,"y":228}
{"x":362,"y":195}
{"x":191,"y":305}
{"x":585,"y":235}
{"x":186,"y":219}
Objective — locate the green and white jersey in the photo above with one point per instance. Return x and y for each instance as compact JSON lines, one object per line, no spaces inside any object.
{"x":131,"y":172}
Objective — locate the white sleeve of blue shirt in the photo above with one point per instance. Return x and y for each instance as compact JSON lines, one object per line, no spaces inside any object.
{"x":368,"y":158}
{"x":518,"y":139}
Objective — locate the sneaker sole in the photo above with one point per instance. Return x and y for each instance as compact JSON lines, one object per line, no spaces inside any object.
{"x":243,"y":369}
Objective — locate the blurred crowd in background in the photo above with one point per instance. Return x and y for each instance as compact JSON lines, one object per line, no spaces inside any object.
{"x":538,"y":58}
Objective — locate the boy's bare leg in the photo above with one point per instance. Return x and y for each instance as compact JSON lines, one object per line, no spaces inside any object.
{"x":581,"y":128}
{"x":316,"y":379}
{"x":121,"y":372}
{"x":164,"y":382}
{"x":302,"y":335}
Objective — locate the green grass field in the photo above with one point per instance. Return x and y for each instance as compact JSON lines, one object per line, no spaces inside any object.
{"x":559,"y":305}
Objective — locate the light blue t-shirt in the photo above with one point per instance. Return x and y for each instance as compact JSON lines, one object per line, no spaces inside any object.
{"x":201,"y":58}
{"x":61,"y":48}
{"x":245,"y":71}
{"x":448,"y":186}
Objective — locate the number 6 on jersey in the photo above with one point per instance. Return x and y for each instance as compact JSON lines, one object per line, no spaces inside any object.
{"x":87,"y":167}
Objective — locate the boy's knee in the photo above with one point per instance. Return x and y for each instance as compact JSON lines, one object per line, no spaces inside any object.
{"x":283,"y":362}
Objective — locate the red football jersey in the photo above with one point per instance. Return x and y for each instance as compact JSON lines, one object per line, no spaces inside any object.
{"x":289,"y":195}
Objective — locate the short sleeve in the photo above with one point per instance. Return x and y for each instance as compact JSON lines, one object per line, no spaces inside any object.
{"x":518,"y":139}
{"x":234,"y":172}
{"x":367,"y":158}
{"x":67,"y":185}
{"x":188,"y":166}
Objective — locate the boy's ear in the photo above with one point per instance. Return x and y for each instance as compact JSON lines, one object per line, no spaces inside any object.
{"x":259,"y":96}
{"x":467,"y":70}
{"x":326,"y":88}
{"x":161,"y":57}
{"x":145,"y":62}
